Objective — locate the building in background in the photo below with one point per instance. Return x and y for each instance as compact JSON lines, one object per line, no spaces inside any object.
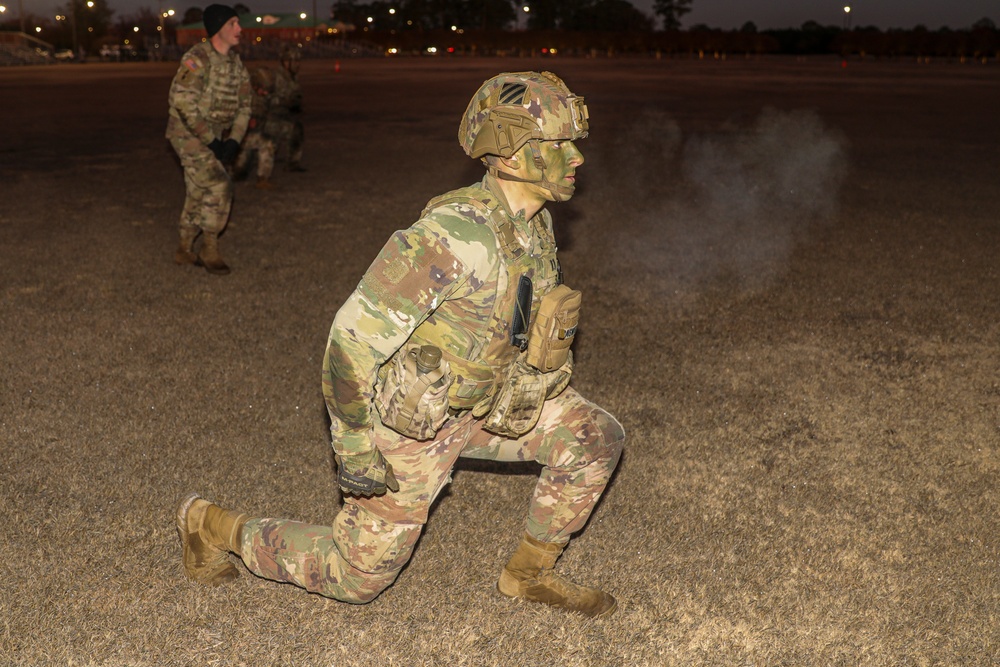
{"x":268,"y":29}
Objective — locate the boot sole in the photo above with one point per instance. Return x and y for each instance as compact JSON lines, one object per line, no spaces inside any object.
{"x":510,"y":587}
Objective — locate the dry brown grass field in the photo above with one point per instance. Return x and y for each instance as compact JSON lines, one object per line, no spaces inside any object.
{"x":790,"y":285}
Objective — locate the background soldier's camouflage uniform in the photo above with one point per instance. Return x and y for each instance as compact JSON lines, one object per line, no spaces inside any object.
{"x":445,"y":279}
{"x":258,"y":144}
{"x":274,"y":127}
{"x":283,"y":124}
{"x":209,"y":99}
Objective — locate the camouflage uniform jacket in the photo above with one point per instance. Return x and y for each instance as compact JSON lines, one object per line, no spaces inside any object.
{"x":450,"y":279}
{"x":210,"y":94}
{"x":287,"y":97}
{"x":262,"y":87}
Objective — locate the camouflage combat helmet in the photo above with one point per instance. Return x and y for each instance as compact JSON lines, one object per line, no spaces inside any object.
{"x":514,"y":108}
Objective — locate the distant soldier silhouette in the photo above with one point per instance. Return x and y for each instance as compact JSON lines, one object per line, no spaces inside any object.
{"x":258,"y":147}
{"x":276,"y":128}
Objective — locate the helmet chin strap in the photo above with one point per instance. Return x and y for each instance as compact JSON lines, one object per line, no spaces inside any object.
{"x":558,"y":192}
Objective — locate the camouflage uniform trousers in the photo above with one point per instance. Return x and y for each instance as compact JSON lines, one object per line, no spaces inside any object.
{"x":209,"y":189}
{"x":256,"y":144}
{"x":577,"y":443}
{"x":288,"y":134}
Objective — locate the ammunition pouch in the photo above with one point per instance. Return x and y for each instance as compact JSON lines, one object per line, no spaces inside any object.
{"x":554,"y":328}
{"x":556,"y":381}
{"x":516,"y":403}
{"x":411,"y":403}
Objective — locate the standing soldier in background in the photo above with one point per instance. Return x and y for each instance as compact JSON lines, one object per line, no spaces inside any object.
{"x":258,"y":146}
{"x":209,"y":113}
{"x":285,"y":107}
{"x":455,"y":343}
{"x":275,"y":127}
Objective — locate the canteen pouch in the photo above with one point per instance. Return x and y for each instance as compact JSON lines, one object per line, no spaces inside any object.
{"x":554,"y":328}
{"x":517,"y":403}
{"x":410,"y":403}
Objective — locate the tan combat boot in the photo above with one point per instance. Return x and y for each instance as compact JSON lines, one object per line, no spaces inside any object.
{"x":209,"y":256}
{"x":208,"y":533}
{"x":529,"y":575}
{"x":185,"y":251}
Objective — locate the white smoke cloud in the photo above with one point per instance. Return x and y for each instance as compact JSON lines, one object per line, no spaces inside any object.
{"x":727,"y":205}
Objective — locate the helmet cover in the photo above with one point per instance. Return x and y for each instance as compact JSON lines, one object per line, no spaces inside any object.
{"x":515,"y":107}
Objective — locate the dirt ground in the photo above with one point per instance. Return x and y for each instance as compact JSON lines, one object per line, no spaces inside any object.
{"x":790,"y":301}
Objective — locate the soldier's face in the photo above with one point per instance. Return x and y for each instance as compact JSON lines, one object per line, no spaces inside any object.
{"x":562,"y":158}
{"x":230,"y":32}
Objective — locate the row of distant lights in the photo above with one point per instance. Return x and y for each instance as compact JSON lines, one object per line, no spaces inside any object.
{"x":90,"y":5}
{"x":455,"y":29}
{"x":59,"y":17}
{"x":302,"y":16}
{"x":451,"y":49}
{"x":432,"y":49}
{"x":392,"y":11}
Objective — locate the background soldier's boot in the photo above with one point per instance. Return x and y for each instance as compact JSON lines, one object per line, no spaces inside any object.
{"x":264,"y":184}
{"x":185,"y":251}
{"x":296,"y":167}
{"x":529,"y":575}
{"x":208,"y":533}
{"x":209,"y":256}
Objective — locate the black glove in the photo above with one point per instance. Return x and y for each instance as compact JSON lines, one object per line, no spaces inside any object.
{"x":216,"y":148}
{"x":365,"y":474}
{"x":230,"y":149}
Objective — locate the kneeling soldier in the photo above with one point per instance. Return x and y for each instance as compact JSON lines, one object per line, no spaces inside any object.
{"x":455,"y":343}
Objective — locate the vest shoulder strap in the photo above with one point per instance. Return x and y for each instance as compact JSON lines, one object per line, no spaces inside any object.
{"x":490,"y":208}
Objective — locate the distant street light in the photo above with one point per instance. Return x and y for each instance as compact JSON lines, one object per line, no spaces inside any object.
{"x":72,"y":8}
{"x":163,"y":16}
{"x":847,"y":17}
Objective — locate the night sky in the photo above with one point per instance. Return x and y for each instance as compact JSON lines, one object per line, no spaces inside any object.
{"x":729,"y":14}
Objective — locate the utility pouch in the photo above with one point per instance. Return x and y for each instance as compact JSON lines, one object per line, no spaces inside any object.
{"x":518,"y":401}
{"x":554,"y":328}
{"x":411,"y":399}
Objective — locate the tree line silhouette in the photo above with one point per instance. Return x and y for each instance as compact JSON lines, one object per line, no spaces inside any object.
{"x":569,"y":27}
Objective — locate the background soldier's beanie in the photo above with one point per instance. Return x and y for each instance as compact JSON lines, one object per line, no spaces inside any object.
{"x":215,"y":16}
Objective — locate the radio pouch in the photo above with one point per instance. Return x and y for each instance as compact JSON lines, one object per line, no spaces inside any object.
{"x":410,"y":402}
{"x":554,"y":327}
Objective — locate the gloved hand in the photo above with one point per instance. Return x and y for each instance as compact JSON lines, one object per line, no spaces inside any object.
{"x":230,"y":149}
{"x":216,"y":148}
{"x":366,"y":474}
